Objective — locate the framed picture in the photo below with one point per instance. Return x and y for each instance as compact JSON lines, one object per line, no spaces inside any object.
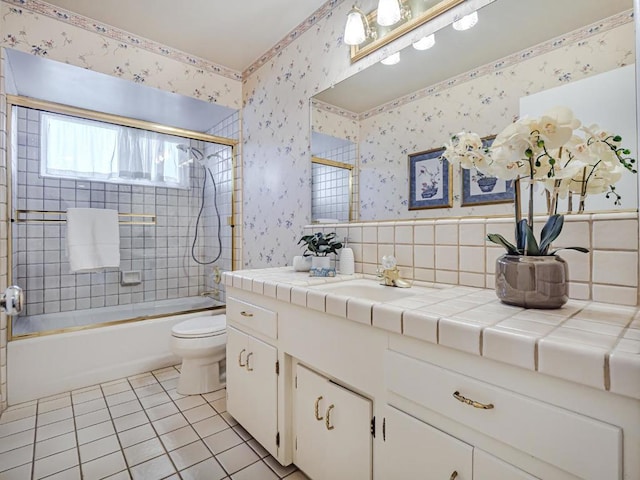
{"x":481,"y":189}
{"x":429,"y":180}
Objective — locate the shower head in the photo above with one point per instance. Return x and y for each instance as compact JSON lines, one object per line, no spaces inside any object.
{"x":194,"y":153}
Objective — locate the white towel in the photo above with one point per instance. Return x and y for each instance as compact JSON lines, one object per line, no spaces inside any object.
{"x":93,"y":239}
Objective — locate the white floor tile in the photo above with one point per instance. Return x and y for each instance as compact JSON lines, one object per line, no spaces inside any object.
{"x":162,"y":411}
{"x":54,"y":429}
{"x":279,"y":469}
{"x":49,"y":405}
{"x":256,"y":447}
{"x":170,"y":384}
{"x":220,"y":405}
{"x":136,"y":435}
{"x":15,"y":458}
{"x":124,"y":475}
{"x":298,"y":475}
{"x":191,"y":454}
{"x":202,"y":412}
{"x":224,"y":440}
{"x":217,"y":395}
{"x":82,"y":396}
{"x":17,"y":426}
{"x":70,"y":474}
{"x":210,"y":425}
{"x":17,"y":440}
{"x":130,"y":421}
{"x":148,"y":390}
{"x":257,"y":471}
{"x":159,"y":467}
{"x":179,"y":438}
{"x":166,"y":374}
{"x":20,"y":473}
{"x":90,"y":406}
{"x":113,"y":388}
{"x":168,"y":424}
{"x":189,"y":402}
{"x":95,"y":432}
{"x":126,"y":408}
{"x":99,"y":448}
{"x":15,"y":413}
{"x":141,"y":452}
{"x":237,"y":458}
{"x":55,"y":463}
{"x":142,"y":380}
{"x":155,"y":399}
{"x":54,"y":416}
{"x":208,"y":470}
{"x":103,"y":466}
{"x":55,"y":445}
{"x":122,"y":397}
{"x":92,"y":418}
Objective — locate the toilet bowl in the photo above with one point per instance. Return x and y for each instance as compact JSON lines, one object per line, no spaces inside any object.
{"x":201,"y":343}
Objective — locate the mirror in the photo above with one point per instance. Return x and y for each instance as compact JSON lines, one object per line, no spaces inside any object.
{"x":473,"y":80}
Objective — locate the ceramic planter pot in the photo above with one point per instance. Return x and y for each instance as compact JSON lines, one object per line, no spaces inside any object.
{"x":532,"y":282}
{"x":321,"y":262}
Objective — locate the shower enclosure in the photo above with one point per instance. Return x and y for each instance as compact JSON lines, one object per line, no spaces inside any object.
{"x":174,"y":221}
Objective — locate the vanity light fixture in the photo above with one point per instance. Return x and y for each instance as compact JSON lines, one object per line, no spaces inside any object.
{"x":357,"y":29}
{"x":425,"y":43}
{"x":466,"y":22}
{"x":389,"y":12}
{"x":391,"y":59}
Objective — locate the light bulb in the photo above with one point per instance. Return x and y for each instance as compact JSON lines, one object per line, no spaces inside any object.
{"x":466,"y":22}
{"x":388,"y":12}
{"x":425,"y":43}
{"x":391,"y":59}
{"x":354,"y":31}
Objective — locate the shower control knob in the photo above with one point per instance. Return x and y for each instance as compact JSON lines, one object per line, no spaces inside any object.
{"x":12,"y":300}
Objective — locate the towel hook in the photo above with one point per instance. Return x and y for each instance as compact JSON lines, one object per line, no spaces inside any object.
{"x":12,"y":300}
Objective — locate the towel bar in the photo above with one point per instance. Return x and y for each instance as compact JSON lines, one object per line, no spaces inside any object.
{"x":20,"y":217}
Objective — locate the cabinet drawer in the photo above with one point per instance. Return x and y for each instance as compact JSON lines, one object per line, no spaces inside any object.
{"x":252,"y":316}
{"x":582,"y":446}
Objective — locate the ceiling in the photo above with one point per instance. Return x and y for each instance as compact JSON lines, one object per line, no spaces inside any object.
{"x":230,"y":33}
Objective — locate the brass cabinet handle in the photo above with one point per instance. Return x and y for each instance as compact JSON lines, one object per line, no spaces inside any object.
{"x":318,"y":417}
{"x":246,"y":314}
{"x":328,"y":419}
{"x":473,"y":403}
{"x":249,"y":369}
{"x":454,"y":475}
{"x":240,"y":358}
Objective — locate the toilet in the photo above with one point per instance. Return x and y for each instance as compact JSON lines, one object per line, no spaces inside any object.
{"x":201,"y":343}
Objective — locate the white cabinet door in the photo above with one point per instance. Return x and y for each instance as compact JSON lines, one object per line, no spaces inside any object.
{"x":252,"y":387}
{"x":348,"y":435}
{"x":333,"y":437}
{"x":414,"y":450}
{"x":488,"y":467}
{"x":310,"y":407}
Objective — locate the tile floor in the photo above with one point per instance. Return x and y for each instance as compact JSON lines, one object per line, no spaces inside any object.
{"x":136,"y":428}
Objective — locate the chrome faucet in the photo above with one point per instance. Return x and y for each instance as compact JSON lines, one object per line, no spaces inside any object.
{"x":389,"y":273}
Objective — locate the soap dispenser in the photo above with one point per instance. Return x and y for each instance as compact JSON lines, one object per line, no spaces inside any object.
{"x":347,"y":266}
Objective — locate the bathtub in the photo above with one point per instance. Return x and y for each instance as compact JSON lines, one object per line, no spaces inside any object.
{"x":46,"y":365}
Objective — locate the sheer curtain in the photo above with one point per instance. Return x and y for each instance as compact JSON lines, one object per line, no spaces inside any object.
{"x":86,"y":149}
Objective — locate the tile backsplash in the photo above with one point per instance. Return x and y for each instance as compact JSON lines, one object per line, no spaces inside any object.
{"x":454,"y":251}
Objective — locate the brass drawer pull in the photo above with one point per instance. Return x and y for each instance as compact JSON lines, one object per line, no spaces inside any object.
{"x":240,"y":359}
{"x":454,"y":475}
{"x":317,"y":407}
{"x":249,"y":369}
{"x":473,"y":403}
{"x":328,"y":419}
{"x":246,"y":314}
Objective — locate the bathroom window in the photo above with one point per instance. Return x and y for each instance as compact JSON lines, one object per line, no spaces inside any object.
{"x":78,"y":148}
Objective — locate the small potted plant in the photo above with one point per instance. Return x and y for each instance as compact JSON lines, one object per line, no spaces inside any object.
{"x":319,"y":246}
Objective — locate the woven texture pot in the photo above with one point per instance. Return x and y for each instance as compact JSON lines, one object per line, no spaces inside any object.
{"x":532,"y":282}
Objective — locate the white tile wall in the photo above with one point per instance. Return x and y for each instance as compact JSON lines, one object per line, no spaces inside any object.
{"x":455,"y":251}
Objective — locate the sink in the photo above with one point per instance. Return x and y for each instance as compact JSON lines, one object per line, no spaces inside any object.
{"x":369,"y":290}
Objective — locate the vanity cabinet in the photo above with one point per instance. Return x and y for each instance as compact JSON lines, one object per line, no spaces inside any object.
{"x":252,"y":386}
{"x":332,"y":429}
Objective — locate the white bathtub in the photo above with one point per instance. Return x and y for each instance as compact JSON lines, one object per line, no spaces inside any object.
{"x":42,"y":366}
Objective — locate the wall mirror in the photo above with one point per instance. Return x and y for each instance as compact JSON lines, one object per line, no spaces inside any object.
{"x":475,"y":80}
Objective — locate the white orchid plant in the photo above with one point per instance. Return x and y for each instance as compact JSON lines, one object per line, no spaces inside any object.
{"x":556,"y":151}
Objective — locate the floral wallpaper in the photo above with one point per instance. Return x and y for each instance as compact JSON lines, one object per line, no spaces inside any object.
{"x":340,"y":124}
{"x":485,"y":104}
{"x":73,"y":39}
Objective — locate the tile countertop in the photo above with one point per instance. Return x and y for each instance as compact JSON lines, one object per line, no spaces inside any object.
{"x":594,"y":344}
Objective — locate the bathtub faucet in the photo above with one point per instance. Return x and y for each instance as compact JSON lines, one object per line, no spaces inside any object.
{"x":211,"y":294}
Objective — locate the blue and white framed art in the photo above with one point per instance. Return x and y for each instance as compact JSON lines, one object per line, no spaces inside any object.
{"x":429,"y":180}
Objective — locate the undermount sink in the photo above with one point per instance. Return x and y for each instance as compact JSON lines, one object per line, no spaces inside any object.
{"x":369,"y":290}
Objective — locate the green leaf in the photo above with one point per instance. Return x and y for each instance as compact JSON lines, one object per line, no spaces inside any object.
{"x":550,"y":232}
{"x":579,"y":249}
{"x":500,"y":240}
{"x":532,"y":245}
{"x":521,"y":234}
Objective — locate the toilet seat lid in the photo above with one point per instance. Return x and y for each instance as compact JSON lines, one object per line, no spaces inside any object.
{"x":201,"y":326}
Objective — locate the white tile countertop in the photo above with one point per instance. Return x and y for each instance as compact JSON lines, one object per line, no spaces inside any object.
{"x":594,"y":344}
